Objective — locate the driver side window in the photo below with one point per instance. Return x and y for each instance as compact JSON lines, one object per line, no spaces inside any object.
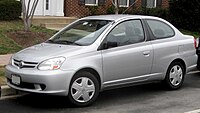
{"x":128,"y":32}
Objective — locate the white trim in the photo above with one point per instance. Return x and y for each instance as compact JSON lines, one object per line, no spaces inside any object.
{"x":127,"y":4}
{"x":92,"y":4}
{"x":155,"y":4}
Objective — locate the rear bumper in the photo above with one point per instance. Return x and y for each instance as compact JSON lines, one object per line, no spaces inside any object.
{"x":54,"y":82}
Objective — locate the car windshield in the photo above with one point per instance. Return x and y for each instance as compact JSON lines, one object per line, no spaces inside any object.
{"x":82,"y":33}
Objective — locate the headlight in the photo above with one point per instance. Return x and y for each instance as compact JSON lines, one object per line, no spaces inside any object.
{"x":51,"y":64}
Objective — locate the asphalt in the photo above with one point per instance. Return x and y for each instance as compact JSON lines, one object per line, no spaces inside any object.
{"x":148,"y":98}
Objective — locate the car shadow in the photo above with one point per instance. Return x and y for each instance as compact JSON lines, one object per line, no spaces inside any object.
{"x":192,"y":80}
{"x":106,"y":97}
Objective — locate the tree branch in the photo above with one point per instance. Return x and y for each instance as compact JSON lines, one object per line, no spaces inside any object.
{"x":28,"y":7}
{"x":116,"y":4}
{"x":129,"y":7}
{"x":35,"y":5}
{"x":33,"y":8}
{"x":23,"y":9}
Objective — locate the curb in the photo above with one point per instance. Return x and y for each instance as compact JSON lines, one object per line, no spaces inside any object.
{"x":2,"y":65}
{"x":7,"y":91}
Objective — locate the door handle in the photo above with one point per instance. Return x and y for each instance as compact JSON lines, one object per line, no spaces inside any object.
{"x":146,"y":53}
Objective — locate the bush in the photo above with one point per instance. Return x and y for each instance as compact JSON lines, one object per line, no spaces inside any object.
{"x":110,"y":10}
{"x":158,"y":12}
{"x":185,"y":14}
{"x":10,"y":9}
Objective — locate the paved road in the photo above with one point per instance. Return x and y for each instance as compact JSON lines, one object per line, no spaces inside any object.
{"x":150,"y":98}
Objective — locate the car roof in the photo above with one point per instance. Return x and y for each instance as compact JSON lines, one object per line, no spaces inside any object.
{"x":119,"y":17}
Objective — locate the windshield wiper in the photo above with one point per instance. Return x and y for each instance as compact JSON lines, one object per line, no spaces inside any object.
{"x":64,"y":42}
{"x":51,"y":41}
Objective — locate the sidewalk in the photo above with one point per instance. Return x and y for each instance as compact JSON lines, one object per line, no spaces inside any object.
{"x":4,"y":59}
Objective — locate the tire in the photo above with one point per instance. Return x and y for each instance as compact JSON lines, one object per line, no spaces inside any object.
{"x":175,"y":76}
{"x":84,"y":89}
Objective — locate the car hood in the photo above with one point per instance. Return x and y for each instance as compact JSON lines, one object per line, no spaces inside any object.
{"x":45,"y":51}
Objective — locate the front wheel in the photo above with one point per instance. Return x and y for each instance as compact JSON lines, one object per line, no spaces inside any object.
{"x":84,"y":89}
{"x":175,"y":76}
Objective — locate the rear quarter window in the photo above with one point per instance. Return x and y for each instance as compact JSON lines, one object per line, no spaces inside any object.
{"x":160,"y":29}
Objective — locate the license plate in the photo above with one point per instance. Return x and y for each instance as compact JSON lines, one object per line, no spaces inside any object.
{"x":16,"y":79}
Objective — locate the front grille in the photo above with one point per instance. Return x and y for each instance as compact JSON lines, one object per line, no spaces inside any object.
{"x":24,"y":64}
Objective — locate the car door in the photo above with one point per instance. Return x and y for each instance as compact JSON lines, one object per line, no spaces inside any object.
{"x":127,"y":56}
{"x":165,"y":44}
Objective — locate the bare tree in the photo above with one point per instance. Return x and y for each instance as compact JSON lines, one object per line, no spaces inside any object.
{"x":28,"y":11}
{"x":129,"y":7}
{"x":116,"y":5}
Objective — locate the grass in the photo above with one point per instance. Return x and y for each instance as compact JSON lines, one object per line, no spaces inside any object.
{"x":7,"y":44}
{"x":186,"y":32}
{"x":2,"y":71}
{"x":2,"y":76}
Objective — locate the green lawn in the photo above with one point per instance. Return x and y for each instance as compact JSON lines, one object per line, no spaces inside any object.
{"x":195,"y":34}
{"x":2,"y":76}
{"x":1,"y":71}
{"x":7,"y":44}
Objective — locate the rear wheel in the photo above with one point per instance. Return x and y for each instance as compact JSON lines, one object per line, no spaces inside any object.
{"x":175,"y":76}
{"x":84,"y":89}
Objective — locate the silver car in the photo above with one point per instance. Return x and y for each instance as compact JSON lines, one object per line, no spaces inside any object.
{"x":102,"y":52}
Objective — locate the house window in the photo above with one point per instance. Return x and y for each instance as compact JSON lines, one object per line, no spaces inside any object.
{"x":91,"y":2}
{"x":47,"y":4}
{"x":123,"y":3}
{"x":151,"y":3}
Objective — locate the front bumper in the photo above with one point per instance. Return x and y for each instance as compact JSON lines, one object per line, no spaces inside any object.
{"x":54,"y":82}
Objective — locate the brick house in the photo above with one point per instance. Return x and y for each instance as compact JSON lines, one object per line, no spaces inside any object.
{"x":80,"y":8}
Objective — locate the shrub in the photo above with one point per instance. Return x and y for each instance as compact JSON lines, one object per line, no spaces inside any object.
{"x":158,"y":12}
{"x":110,"y":10}
{"x":10,"y":9}
{"x":185,"y":14}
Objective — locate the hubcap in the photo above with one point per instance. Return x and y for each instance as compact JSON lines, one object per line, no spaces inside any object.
{"x":176,"y":75}
{"x":82,"y":89}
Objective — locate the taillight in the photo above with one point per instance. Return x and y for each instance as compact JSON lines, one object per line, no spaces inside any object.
{"x":195,"y":43}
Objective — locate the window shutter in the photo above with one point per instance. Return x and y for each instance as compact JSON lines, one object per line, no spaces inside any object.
{"x":101,"y":2}
{"x":144,"y":3}
{"x":81,"y":2}
{"x":131,"y":2}
{"x":159,"y":3}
